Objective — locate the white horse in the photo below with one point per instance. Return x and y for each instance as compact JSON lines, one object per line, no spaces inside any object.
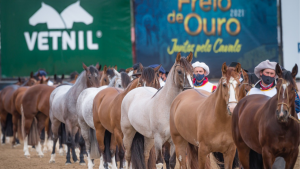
{"x":145,"y":114}
{"x":85,"y":115}
{"x":63,"y":101}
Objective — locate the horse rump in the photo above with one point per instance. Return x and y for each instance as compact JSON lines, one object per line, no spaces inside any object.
{"x":94,"y":147}
{"x":255,"y":160}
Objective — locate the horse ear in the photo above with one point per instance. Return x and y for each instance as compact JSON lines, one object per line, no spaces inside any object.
{"x":84,"y":66}
{"x":157,"y":68}
{"x":47,"y":79}
{"x":55,"y":77}
{"x":62,"y":76}
{"x":116,"y":67}
{"x":224,"y":68}
{"x":41,"y":81}
{"x":246,"y":76}
{"x":141,"y":66}
{"x":104,"y":69}
{"x":19,"y":79}
{"x":278,"y":70}
{"x":117,"y":73}
{"x":43,"y":4}
{"x":178,"y":57}
{"x":189,"y":58}
{"x":31,"y":75}
{"x":97,"y":66}
{"x":238,"y":68}
{"x":295,"y":71}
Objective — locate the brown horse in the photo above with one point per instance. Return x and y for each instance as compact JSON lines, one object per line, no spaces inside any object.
{"x":6,"y":103}
{"x":16,"y":109}
{"x":250,"y":80}
{"x":107,"y":112}
{"x":261,"y":125}
{"x":35,"y":110}
{"x":203,"y":123}
{"x":106,"y":76}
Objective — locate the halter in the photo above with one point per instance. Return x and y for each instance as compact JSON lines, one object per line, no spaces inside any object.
{"x":184,"y":88}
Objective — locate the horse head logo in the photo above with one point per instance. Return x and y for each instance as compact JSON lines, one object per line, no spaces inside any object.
{"x":73,"y":13}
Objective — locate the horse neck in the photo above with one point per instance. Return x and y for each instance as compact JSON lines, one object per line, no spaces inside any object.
{"x":170,"y":89}
{"x":220,"y":106}
{"x":79,"y":85}
{"x":131,"y":86}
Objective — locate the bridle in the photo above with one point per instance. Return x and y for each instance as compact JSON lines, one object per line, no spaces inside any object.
{"x":184,"y":78}
{"x":287,"y":104}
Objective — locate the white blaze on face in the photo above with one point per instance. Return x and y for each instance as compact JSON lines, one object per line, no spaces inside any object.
{"x":189,"y":77}
{"x":284,"y":86}
{"x":232,"y":102}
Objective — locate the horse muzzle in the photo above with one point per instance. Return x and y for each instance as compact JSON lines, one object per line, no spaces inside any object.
{"x":230,"y":108}
{"x":282,"y":116}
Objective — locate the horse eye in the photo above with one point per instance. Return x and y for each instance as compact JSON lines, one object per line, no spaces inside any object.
{"x":224,"y":85}
{"x":179,"y":72}
{"x":105,"y":80}
{"x":119,"y":86}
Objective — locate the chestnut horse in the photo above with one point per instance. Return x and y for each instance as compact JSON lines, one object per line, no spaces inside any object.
{"x":265,"y":127}
{"x":6,"y":103}
{"x":85,"y":113}
{"x":107,"y":113}
{"x":16,"y":109}
{"x":35,"y":111}
{"x":63,"y":101}
{"x":202,"y":123}
{"x":145,"y":115}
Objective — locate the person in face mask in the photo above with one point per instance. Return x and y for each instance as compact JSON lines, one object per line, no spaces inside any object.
{"x":201,"y":70}
{"x":265,"y":71}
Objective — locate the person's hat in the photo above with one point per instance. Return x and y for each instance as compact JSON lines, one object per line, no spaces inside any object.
{"x":233,"y":64}
{"x":264,"y":65}
{"x":135,"y":66}
{"x":161,"y":69}
{"x":40,"y":73}
{"x":203,"y":65}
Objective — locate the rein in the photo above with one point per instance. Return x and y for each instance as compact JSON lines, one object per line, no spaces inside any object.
{"x":287,"y":105}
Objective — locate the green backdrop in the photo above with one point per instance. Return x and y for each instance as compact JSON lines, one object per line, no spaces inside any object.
{"x":40,"y":34}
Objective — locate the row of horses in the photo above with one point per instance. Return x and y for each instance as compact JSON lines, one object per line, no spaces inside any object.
{"x":140,"y":122}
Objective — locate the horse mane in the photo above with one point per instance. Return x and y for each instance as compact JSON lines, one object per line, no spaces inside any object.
{"x":125,"y":79}
{"x":148,"y":75}
{"x":187,"y":65}
{"x":287,"y":75}
{"x":110,"y":73}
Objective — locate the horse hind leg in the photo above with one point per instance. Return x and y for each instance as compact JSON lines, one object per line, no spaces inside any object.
{"x":82,"y":151}
{"x":149,"y":153}
{"x":180,"y":152}
{"x":112,"y":148}
{"x":129,"y":134}
{"x":54,"y":126}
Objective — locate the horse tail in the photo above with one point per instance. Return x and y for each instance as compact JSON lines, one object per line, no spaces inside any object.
{"x":107,"y":139}
{"x":152,"y":159}
{"x":23,"y":121}
{"x":94,"y":147}
{"x":137,"y":151}
{"x":192,"y":152}
{"x":33,"y":136}
{"x":9,"y":125}
{"x":20,"y":134}
{"x":256,"y":160}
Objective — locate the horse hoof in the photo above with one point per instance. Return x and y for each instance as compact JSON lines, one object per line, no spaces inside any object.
{"x":83,"y":164}
{"x":41,"y":156}
{"x":68,"y":163}
{"x":51,"y":161}
{"x":27,"y":156}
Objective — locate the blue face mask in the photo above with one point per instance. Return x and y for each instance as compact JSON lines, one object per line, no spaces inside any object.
{"x":199,"y":77}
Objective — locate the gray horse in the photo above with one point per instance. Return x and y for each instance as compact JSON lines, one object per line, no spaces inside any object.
{"x":63,"y":110}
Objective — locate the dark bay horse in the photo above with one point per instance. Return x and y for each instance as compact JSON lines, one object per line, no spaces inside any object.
{"x":35,"y":110}
{"x":202,"y":123}
{"x":63,"y":101}
{"x":6,"y":104}
{"x":264,"y":125}
{"x":107,"y":112}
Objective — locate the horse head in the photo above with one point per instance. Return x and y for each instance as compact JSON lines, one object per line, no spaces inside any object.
{"x":285,"y":93}
{"x":183,"y":71}
{"x":149,"y":77}
{"x":47,"y":14}
{"x":106,"y":76}
{"x":116,"y":81}
{"x":75,"y":13}
{"x":92,"y":75}
{"x":58,"y":80}
{"x":31,"y":81}
{"x":230,"y":85}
